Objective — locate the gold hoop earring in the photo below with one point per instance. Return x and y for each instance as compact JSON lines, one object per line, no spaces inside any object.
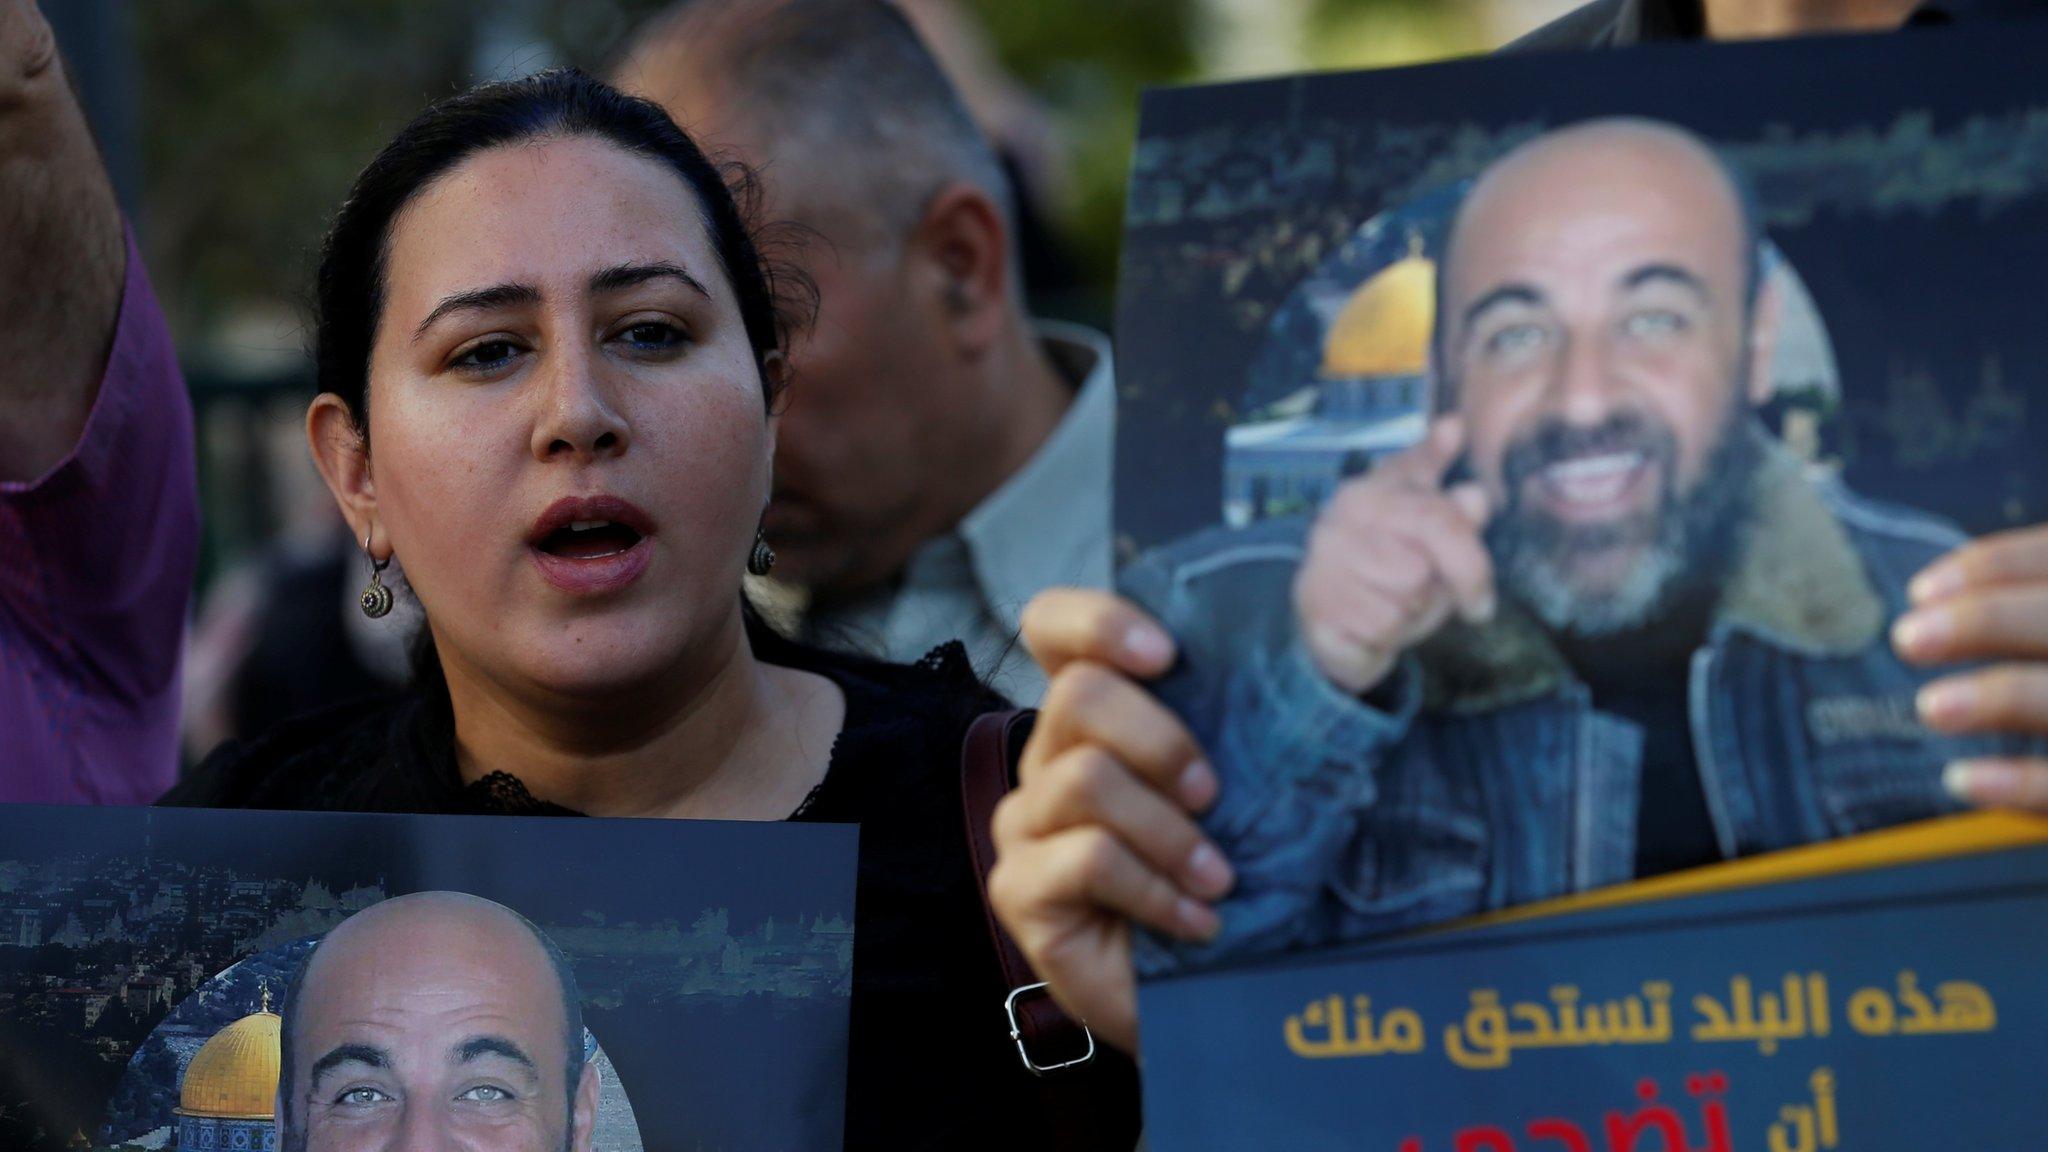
{"x":762,"y":558}
{"x":376,"y":599}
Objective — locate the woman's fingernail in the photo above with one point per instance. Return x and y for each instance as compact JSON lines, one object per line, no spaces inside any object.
{"x":1947,"y":701}
{"x":1197,"y":786}
{"x":1922,"y":630}
{"x":1197,"y":920}
{"x":1934,"y":583}
{"x":1982,"y":781}
{"x":1208,"y":871}
{"x":1148,"y":644}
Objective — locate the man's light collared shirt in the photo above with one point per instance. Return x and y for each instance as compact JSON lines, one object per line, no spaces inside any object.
{"x":1046,"y":526}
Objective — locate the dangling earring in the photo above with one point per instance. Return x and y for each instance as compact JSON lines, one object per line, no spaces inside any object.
{"x":376,"y":599}
{"x":762,"y":558}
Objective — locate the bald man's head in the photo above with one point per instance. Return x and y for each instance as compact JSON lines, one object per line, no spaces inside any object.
{"x":1606,"y":167}
{"x":439,"y":1001}
{"x":1602,"y":328}
{"x":847,"y":112}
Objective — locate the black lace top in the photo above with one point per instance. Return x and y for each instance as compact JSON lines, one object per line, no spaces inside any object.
{"x":931,"y":1062}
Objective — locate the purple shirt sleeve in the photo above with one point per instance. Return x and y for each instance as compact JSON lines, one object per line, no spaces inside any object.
{"x":96,"y":566}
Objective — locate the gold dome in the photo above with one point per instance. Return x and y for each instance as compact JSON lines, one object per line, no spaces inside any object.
{"x":1385,"y":327}
{"x":234,"y":1076}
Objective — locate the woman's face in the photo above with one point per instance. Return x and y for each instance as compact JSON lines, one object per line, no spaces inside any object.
{"x":569,"y":450}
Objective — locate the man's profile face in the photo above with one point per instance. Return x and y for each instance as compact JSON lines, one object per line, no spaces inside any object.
{"x":869,"y":407}
{"x":440,"y":1027}
{"x":873,"y":401}
{"x":1597,"y":334}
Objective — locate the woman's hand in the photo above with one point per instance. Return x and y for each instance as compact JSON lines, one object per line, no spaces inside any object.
{"x":1100,"y":830}
{"x":1987,"y":600}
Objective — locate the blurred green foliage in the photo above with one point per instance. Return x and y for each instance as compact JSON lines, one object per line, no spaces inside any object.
{"x":255,"y":114}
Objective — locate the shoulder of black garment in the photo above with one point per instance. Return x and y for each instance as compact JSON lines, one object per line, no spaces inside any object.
{"x":393,"y":752}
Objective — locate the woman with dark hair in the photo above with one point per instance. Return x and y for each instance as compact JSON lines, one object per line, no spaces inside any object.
{"x":550,"y":359}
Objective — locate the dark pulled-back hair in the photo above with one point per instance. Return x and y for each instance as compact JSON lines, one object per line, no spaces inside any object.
{"x":851,"y":78}
{"x":562,"y":102}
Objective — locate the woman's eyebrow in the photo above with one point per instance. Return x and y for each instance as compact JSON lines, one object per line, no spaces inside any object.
{"x":627,"y":275}
{"x":610,"y":280}
{"x":478,"y":299}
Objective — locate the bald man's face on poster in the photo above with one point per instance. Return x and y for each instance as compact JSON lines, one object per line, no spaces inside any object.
{"x":1602,"y":335}
{"x":279,"y":999}
{"x":435,"y":1021}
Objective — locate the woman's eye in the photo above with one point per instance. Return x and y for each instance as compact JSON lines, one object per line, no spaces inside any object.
{"x":360,"y":1097}
{"x":486,"y":1094}
{"x":489,"y":354}
{"x":652,"y":336}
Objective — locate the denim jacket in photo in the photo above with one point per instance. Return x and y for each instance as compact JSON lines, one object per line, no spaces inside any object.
{"x":1486,"y":778}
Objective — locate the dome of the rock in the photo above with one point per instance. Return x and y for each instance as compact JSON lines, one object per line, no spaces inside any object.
{"x":228,"y":1097}
{"x":1384,"y":328}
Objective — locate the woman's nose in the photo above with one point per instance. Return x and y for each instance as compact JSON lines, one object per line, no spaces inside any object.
{"x":578,"y":417}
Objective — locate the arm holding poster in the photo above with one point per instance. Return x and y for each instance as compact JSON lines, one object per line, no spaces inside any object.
{"x":1100,"y":833}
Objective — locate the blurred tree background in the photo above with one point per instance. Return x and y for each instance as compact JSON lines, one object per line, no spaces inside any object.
{"x":252,"y":115}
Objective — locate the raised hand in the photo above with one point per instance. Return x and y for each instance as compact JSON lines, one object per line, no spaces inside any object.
{"x":1100,"y":830}
{"x":1391,"y":558}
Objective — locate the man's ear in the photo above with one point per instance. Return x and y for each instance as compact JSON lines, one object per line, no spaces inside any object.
{"x":1763,"y":339}
{"x":583,"y":1120}
{"x":344,"y":462}
{"x":962,"y":243}
{"x":775,"y":378}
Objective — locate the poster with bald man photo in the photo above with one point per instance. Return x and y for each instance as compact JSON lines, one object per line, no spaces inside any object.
{"x":305,"y":982}
{"x":1532,"y":457}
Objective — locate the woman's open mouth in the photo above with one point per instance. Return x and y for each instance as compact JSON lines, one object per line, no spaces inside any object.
{"x":589,"y":540}
{"x":589,"y":545}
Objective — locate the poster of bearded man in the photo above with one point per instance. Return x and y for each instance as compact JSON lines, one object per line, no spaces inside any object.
{"x":1532,"y":493}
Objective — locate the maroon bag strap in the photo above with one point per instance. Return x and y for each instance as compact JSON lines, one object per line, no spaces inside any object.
{"x":1048,"y":1040}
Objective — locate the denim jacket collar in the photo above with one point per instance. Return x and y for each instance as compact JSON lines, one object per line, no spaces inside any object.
{"x":1799,"y":585}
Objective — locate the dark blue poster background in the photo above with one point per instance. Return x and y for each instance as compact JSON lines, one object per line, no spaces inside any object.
{"x":1220,"y":1072}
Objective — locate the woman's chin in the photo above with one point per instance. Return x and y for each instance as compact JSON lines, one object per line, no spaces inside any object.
{"x":595,"y":670}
